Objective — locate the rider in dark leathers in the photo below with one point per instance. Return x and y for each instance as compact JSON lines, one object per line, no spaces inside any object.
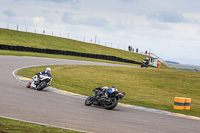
{"x":146,"y":61}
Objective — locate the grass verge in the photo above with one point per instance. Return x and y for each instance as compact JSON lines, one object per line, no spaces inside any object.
{"x":155,"y":88}
{"x":13,"y":126}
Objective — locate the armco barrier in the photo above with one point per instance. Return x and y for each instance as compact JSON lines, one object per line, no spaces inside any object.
{"x":61,"y":52}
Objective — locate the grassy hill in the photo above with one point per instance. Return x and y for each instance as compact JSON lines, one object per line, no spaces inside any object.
{"x":18,"y":38}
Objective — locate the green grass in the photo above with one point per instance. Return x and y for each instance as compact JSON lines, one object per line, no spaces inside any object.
{"x":155,"y":88}
{"x":18,"y":38}
{"x":13,"y":126}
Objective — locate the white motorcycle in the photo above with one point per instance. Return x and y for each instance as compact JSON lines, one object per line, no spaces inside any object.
{"x":39,"y":82}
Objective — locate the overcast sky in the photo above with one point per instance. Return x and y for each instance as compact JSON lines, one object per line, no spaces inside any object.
{"x":170,"y":28}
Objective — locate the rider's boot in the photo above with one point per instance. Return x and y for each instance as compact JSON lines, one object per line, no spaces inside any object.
{"x":105,"y":94}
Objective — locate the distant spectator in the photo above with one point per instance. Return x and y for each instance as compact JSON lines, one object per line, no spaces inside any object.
{"x":145,"y":52}
{"x":159,"y":64}
{"x":136,"y":50}
{"x":129,"y":48}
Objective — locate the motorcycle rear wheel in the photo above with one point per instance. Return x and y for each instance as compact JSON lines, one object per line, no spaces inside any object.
{"x":112,"y":105}
{"x":88,"y":101}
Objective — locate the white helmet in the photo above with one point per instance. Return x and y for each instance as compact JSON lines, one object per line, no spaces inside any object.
{"x":48,"y":69}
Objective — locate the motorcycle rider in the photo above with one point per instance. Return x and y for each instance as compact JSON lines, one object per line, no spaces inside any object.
{"x":104,"y":91}
{"x":47,"y":72}
{"x":107,"y":90}
{"x":147,"y":61}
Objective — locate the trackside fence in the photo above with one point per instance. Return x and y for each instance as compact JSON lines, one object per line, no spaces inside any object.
{"x":61,"y":52}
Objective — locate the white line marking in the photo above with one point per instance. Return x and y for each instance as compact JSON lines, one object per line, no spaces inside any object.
{"x":42,"y":124}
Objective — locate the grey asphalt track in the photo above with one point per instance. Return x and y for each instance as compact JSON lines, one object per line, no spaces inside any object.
{"x":17,"y":101}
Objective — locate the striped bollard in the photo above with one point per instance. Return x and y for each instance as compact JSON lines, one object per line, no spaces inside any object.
{"x":182,"y":103}
{"x":179,"y":103}
{"x":187,"y":103}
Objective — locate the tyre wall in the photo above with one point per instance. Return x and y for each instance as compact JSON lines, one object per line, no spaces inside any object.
{"x":61,"y":52}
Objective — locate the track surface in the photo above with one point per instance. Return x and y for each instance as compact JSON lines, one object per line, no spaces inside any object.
{"x":51,"y":108}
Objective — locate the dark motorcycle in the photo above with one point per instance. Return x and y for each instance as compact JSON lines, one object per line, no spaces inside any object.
{"x":144,"y":64}
{"x":109,"y":102}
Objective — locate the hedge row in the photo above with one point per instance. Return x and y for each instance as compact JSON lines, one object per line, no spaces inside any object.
{"x":61,"y":52}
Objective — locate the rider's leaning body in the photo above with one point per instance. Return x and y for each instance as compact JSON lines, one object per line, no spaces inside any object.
{"x":47,"y":72}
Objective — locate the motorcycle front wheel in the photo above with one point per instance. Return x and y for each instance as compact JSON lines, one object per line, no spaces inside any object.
{"x":89,"y":101}
{"x":112,"y":104}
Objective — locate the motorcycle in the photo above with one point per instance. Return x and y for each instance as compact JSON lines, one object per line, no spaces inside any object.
{"x":39,"y":82}
{"x":109,"y":102}
{"x":144,"y":64}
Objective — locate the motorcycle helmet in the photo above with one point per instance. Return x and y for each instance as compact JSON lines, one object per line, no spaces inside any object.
{"x":111,"y":90}
{"x":48,"y":69}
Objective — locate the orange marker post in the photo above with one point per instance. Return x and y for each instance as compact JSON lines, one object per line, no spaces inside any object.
{"x":159,"y":64}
